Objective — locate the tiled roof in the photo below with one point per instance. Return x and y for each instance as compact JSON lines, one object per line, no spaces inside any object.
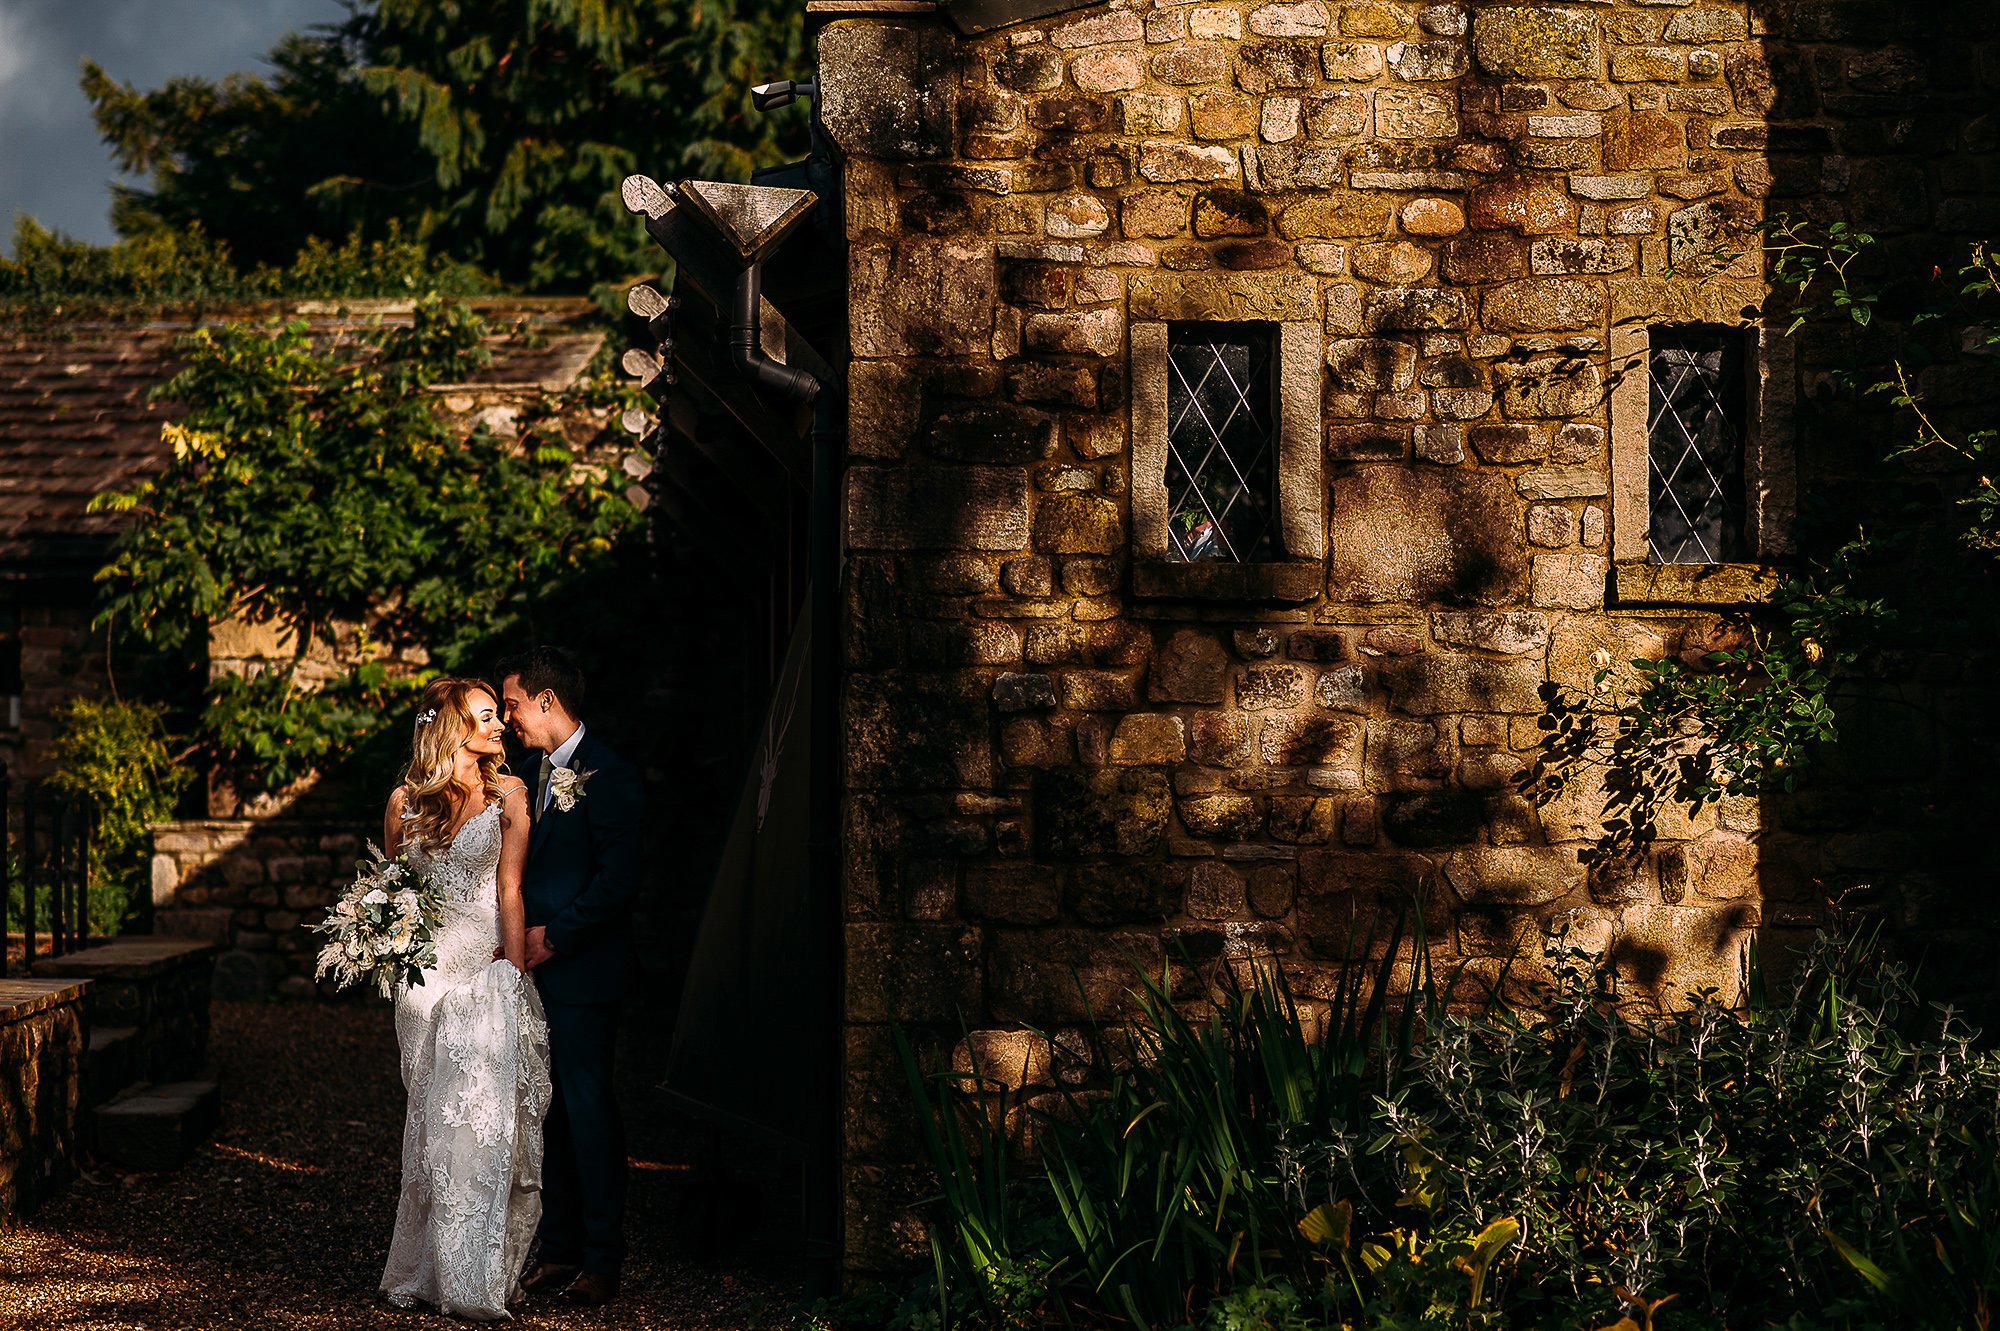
{"x":75,"y":418}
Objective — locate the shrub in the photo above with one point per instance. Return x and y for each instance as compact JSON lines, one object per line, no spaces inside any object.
{"x":119,"y":756}
{"x":1825,"y":1158}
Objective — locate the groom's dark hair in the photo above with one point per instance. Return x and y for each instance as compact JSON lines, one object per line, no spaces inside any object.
{"x":549,"y":668}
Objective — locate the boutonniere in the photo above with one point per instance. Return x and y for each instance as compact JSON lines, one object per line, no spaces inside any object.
{"x":566,"y":786}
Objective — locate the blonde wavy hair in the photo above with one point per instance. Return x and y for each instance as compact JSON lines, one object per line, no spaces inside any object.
{"x":444,"y":722}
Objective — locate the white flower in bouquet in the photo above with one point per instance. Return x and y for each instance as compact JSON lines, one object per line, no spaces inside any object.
{"x":380,"y":930}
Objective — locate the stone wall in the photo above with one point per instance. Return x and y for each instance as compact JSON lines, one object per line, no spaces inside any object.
{"x":250,"y":885}
{"x":42,"y":1040}
{"x":1063,"y":756}
{"x":62,"y":658}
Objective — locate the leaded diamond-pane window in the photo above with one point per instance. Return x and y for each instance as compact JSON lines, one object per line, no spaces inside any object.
{"x":1698,"y":409}
{"x":1222,"y":488}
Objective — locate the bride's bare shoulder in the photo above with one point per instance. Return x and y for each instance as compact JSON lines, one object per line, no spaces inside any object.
{"x":510,"y":786}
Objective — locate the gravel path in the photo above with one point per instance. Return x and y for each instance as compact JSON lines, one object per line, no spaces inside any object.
{"x":283,"y":1219}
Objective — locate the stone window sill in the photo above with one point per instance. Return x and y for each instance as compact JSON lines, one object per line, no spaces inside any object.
{"x":1289,"y":581}
{"x":1636,"y":582}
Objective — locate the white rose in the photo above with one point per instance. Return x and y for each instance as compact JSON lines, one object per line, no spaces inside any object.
{"x":375,"y":897}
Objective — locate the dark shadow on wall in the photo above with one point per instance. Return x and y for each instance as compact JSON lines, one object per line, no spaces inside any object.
{"x":1885,"y":114}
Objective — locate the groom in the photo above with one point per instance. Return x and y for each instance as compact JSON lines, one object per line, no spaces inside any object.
{"x":583,"y":869}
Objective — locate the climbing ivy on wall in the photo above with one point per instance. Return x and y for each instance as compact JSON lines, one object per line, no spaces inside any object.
{"x":1899,"y":554}
{"x":313,"y":489}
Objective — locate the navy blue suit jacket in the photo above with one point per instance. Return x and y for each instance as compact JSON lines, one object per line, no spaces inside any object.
{"x":583,"y":871}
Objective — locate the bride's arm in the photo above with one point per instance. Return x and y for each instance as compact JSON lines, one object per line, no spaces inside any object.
{"x":392,"y":824}
{"x":513,"y":862}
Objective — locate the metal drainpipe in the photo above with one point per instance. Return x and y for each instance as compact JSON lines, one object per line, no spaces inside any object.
{"x":822,"y":1181}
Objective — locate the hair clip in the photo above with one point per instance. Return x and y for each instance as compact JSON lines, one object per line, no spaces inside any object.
{"x":428,"y":715}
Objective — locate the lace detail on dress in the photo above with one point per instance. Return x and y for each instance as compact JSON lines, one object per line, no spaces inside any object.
{"x":475,"y":1052}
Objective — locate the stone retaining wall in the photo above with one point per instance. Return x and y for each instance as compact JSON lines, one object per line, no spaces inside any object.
{"x":43,"y":1033}
{"x":250,"y":885}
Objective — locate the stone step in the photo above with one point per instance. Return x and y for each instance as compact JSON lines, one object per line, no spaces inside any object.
{"x":117,"y":1058}
{"x":158,"y":1127}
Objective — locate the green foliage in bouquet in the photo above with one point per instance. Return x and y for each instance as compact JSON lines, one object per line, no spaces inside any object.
{"x":381,"y":931}
{"x":314,"y":488}
{"x":119,"y":756}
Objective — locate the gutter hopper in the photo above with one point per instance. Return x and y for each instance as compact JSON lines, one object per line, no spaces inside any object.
{"x":753,"y":220}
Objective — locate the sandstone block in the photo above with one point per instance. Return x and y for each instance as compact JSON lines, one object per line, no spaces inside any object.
{"x":1154,"y":213}
{"x":1516,"y":42}
{"x":1529,"y":205}
{"x":1229,"y":817}
{"x":1394,"y":263}
{"x":1313,"y":739}
{"x":1164,"y":161}
{"x":1075,"y":216}
{"x":1301,"y":818}
{"x":1641,"y":140}
{"x":1555,"y":255}
{"x":1221,"y":115}
{"x":1220,"y":739}
{"x":1433,"y":217}
{"x":1402,"y":534}
{"x":1098,"y":691}
{"x":1148,"y":738}
{"x":1561,"y":483}
{"x":1098,"y":332}
{"x":1543,"y":305}
{"x":1373,"y":19}
{"x":1334,"y":216}
{"x":1427,"y":61}
{"x":1707,"y":25}
{"x":1648,"y":64}
{"x":1416,"y":310}
{"x":912,"y":972}
{"x":1261,"y":67}
{"x":1215,"y":892}
{"x":1191,"y":63}
{"x":1412,"y":113}
{"x":1511,"y":632}
{"x":1192,"y":667}
{"x":1441,"y":444}
{"x":1551,"y":525}
{"x":1308,"y":18}
{"x":964,"y":508}
{"x":1342,"y":689}
{"x":1355,"y":62}
{"x":1342,"y":113}
{"x":1350,"y":902}
{"x":1012,"y":893}
{"x":1280,"y":120}
{"x":1050,"y":976}
{"x":1513,"y":875}
{"x":1571,"y":579}
{"x":1505,"y":445}
{"x":1108,"y":71}
{"x":1551,"y":387}
{"x":1214,"y":21}
{"x":1371,"y":364}
{"x":1073,"y":524}
{"x":1087,"y":813}
{"x":1428,"y":685}
{"x":1017,"y":692}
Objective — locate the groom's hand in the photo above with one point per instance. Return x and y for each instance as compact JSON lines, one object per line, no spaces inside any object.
{"x":539,"y":950}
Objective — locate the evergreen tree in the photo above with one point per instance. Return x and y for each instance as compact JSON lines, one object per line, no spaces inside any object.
{"x":497,"y":134}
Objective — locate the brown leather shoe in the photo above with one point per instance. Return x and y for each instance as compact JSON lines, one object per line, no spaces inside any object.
{"x":589,"y":1290}
{"x":548,"y":1278}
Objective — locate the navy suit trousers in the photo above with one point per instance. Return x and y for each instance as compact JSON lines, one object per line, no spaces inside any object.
{"x":583,"y":1151}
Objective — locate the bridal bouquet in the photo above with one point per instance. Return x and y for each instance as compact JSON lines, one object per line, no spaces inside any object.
{"x":382,"y":928}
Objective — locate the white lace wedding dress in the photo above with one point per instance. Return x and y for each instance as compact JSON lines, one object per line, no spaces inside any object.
{"x":475,"y":1053}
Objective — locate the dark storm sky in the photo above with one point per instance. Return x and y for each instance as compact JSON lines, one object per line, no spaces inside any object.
{"x":51,"y":162}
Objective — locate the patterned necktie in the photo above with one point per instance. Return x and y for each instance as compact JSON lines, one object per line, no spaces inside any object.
{"x":542,"y":787}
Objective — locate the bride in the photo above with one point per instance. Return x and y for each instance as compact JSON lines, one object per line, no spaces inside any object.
{"x":475,"y":1050}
